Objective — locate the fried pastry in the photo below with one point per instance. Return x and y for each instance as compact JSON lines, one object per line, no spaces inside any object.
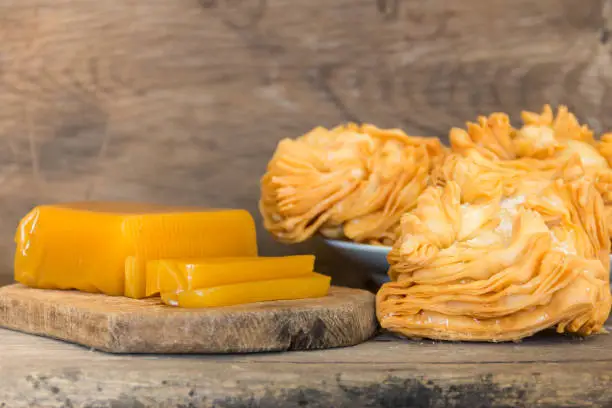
{"x":545,"y":143}
{"x":603,"y":180}
{"x":351,"y":182}
{"x":500,"y":269}
{"x":511,"y":237}
{"x":543,"y":137}
{"x":605,"y":147}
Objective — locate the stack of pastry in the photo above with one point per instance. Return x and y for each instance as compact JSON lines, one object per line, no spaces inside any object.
{"x":508,"y":240}
{"x":504,"y":235}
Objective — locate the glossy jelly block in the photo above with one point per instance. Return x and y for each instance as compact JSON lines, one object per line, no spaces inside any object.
{"x":172,"y":275}
{"x":312,"y":285}
{"x":103,"y":247}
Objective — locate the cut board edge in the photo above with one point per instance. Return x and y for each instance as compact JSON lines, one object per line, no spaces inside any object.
{"x":343,"y":318}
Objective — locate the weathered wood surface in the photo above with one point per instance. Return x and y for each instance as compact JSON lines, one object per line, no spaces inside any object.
{"x":547,"y":371}
{"x":120,"y":325}
{"x":183,"y":101}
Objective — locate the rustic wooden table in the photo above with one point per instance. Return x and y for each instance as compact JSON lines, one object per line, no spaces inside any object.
{"x":547,"y":371}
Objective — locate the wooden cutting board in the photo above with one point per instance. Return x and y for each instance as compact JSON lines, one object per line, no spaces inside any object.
{"x":121,"y":325}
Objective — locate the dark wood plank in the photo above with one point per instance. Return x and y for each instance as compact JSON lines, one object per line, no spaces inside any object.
{"x":546,"y":371}
{"x":184,"y":101}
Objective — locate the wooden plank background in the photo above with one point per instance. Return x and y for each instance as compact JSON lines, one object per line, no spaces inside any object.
{"x":183,"y":101}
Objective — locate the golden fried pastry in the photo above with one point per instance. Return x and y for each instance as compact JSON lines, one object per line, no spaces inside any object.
{"x":544,"y":144}
{"x":511,"y":237}
{"x":603,"y":179}
{"x":350,"y":182}
{"x":605,"y":147}
{"x":500,"y":269}
{"x":543,"y":137}
{"x":482,"y":178}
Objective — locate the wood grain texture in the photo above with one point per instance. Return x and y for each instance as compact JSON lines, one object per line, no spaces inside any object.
{"x":120,"y":325}
{"x":545,"y":371}
{"x":184,"y":101}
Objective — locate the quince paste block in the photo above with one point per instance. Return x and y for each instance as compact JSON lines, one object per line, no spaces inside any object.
{"x":103,"y":247}
{"x":171,"y":275}
{"x":313,"y":285}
